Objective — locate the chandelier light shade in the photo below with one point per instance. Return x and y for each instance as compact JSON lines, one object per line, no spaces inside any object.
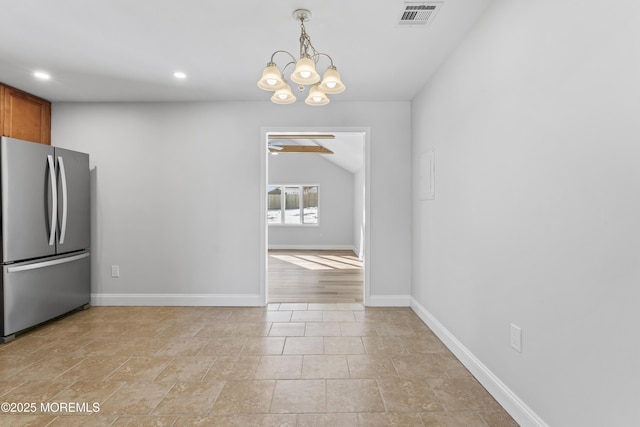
{"x":284,"y":95}
{"x":304,"y":72}
{"x":316,"y":96}
{"x":271,"y":78}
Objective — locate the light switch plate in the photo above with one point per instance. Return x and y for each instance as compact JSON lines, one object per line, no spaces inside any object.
{"x":516,"y":338}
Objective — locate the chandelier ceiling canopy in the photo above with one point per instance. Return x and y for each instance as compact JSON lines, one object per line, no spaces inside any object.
{"x":303,"y":74}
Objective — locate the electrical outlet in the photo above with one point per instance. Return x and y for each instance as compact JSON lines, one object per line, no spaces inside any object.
{"x":516,"y":338}
{"x":115,"y":271}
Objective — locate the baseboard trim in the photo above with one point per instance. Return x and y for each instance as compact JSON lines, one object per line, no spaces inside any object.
{"x":389,"y":301}
{"x":229,"y":300}
{"x":503,"y":394}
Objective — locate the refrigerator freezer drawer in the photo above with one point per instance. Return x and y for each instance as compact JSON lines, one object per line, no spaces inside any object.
{"x":39,"y":291}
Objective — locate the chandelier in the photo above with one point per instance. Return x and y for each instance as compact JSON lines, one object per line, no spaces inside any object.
{"x":304,"y":73}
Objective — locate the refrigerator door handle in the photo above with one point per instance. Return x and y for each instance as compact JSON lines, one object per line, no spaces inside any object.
{"x":63,"y":178}
{"x":44,"y":264}
{"x":54,"y":199}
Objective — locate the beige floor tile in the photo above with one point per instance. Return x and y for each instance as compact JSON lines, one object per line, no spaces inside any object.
{"x":6,"y":386}
{"x":189,"y":368}
{"x":403,"y":395}
{"x":233,"y":368}
{"x":390,"y":420}
{"x":214,"y":330}
{"x":244,"y":366}
{"x":358,"y":329}
{"x":354,"y":395}
{"x":278,"y":316}
{"x":248,"y":420}
{"x":143,"y":346}
{"x":182,"y":347}
{"x":384,"y":345}
{"x":36,"y":391}
{"x":322,"y":420}
{"x":88,"y":391}
{"x":252,"y":329}
{"x":135,"y":398}
{"x":290,"y":329}
{"x":293,"y":306}
{"x":144,"y":368}
{"x":304,"y":345}
{"x":462,"y":394}
{"x":320,"y":329}
{"x":145,"y":421}
{"x":393,"y":329}
{"x":94,"y":368}
{"x":498,"y":419}
{"x":279,"y":367}
{"x":263,"y":345}
{"x":245,"y":397}
{"x":356,"y":306}
{"x":452,"y":419}
{"x":424,"y":344}
{"x":226,"y":346}
{"x":306,"y":316}
{"x":299,"y":396}
{"x":27,"y":420}
{"x":103,"y":347}
{"x":325,"y":366}
{"x":338,"y":316}
{"x":76,"y":420}
{"x":416,"y":366}
{"x":323,"y":306}
{"x":451,"y":366}
{"x":343,"y":345}
{"x":190,"y":398}
{"x":182,"y":330}
{"x":370,"y":366}
{"x":12,"y":366}
{"x":369,"y":315}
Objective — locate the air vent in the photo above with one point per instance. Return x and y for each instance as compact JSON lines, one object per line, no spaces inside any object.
{"x":419,"y":13}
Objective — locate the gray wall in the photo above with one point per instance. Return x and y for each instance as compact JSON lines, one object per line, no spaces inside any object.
{"x":161,"y":175}
{"x":335,"y":213}
{"x":534,"y":124}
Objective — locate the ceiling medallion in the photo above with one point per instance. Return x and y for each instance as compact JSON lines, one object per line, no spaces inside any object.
{"x":304,"y":73}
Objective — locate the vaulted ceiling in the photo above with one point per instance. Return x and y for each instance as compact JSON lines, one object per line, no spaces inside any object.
{"x":128,"y":50}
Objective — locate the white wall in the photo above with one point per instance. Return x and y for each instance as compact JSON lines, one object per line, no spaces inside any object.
{"x":164,"y":175}
{"x":335,"y":213}
{"x":534,"y":123}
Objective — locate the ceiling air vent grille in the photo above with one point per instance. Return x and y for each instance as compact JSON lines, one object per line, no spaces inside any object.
{"x":419,"y":13}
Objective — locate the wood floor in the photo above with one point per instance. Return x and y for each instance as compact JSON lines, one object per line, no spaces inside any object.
{"x":315,"y":277}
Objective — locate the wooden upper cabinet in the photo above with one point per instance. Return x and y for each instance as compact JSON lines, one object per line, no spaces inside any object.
{"x":24,"y":116}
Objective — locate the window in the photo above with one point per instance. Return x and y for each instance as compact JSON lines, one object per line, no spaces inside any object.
{"x":292,"y":204}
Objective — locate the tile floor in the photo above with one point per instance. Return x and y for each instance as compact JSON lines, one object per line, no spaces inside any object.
{"x":281,"y":365}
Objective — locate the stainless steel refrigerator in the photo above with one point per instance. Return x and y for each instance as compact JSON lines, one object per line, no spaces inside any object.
{"x":45,"y":234}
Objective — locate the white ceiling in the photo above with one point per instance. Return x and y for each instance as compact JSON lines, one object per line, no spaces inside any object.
{"x":127,"y":50}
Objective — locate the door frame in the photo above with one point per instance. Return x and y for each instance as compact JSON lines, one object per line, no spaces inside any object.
{"x":264,"y":174}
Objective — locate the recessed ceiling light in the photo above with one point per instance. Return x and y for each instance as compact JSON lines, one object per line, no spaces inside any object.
{"x":179,"y":75}
{"x":41,"y":75}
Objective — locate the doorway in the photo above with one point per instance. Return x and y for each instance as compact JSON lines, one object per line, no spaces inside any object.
{"x":317,"y":248}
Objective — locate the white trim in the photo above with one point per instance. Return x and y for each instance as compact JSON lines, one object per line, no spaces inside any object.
{"x":264,"y":173}
{"x":389,"y":300}
{"x":519,"y":410}
{"x":229,"y":300}
{"x":316,"y":247}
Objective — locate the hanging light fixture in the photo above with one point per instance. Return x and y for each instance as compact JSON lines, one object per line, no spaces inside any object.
{"x":304,"y":72}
